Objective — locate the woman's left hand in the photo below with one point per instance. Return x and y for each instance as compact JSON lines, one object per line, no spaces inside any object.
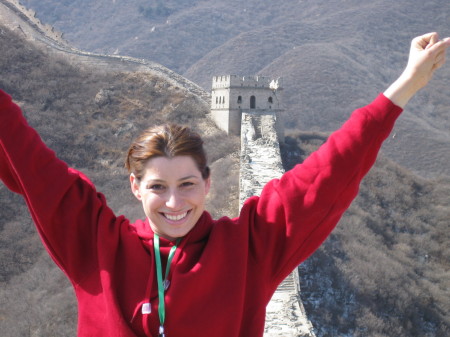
{"x":427,"y":54}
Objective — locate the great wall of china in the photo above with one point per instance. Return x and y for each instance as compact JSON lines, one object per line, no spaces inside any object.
{"x":260,"y":154}
{"x":260,"y":162}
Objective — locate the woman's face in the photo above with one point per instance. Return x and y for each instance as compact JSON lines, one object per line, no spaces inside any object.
{"x":173,"y":195}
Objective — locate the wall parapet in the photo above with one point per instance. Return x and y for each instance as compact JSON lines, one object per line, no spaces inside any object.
{"x":253,"y":81}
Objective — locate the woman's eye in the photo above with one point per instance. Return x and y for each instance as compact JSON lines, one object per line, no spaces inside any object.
{"x":156,"y":187}
{"x":187,"y":184}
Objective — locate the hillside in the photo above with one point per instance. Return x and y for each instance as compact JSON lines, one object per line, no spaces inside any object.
{"x":334,"y":55}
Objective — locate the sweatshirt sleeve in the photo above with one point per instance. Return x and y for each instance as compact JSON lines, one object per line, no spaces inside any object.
{"x":63,"y":203}
{"x":297,"y":212}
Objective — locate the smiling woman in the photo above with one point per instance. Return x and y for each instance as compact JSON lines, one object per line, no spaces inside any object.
{"x":179,"y":272}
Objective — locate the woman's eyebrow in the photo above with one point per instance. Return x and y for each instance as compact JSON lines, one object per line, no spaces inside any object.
{"x":189,"y":177}
{"x":151,"y":180}
{"x":156,"y":180}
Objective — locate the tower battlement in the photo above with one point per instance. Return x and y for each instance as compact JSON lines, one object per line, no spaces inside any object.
{"x":232,"y":81}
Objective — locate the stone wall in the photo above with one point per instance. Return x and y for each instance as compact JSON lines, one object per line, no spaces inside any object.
{"x":260,"y":154}
{"x":260,"y":162}
{"x":30,"y":15}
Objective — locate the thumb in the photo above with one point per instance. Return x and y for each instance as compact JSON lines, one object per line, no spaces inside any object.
{"x":440,"y":46}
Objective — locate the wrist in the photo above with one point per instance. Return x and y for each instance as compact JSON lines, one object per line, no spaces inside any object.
{"x":403,"y":89}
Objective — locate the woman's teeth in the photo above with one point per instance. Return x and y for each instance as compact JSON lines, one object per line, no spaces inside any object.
{"x":175,"y":217}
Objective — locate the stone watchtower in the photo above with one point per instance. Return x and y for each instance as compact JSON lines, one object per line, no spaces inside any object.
{"x":233,"y":95}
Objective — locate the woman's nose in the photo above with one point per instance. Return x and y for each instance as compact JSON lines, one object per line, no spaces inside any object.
{"x":174,"y":200}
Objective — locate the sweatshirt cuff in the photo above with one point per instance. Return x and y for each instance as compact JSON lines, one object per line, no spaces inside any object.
{"x":385,"y":111}
{"x":388,"y":105}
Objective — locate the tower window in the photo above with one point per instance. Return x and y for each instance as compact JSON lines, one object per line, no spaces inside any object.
{"x":252,"y":102}
{"x":270,"y":100}
{"x":239,"y":100}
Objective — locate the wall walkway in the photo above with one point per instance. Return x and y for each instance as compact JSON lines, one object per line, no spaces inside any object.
{"x":261,"y":162}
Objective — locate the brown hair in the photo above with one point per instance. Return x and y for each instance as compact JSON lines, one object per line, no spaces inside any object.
{"x":167,"y":140}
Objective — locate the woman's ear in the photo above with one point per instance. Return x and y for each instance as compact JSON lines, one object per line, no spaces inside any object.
{"x":134,"y":182}
{"x":207,"y":184}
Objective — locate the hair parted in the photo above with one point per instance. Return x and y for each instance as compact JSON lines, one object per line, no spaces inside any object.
{"x":168,"y":140}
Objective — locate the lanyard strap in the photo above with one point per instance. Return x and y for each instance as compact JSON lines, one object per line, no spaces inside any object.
{"x":161,"y":282}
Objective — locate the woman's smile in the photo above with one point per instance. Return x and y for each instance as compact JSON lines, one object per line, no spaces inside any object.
{"x":173,"y":217}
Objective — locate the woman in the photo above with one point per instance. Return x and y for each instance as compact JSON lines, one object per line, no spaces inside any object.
{"x":180,"y":273}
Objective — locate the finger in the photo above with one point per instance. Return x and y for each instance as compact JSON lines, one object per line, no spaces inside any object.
{"x":432,"y":39}
{"x":421,"y":42}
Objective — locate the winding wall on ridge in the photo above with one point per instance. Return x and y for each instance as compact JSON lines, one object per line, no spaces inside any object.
{"x":21,"y":20}
{"x":260,"y":162}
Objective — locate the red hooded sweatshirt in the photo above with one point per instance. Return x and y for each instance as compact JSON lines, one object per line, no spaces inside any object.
{"x":224,"y":272}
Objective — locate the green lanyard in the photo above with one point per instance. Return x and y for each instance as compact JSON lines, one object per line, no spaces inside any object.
{"x":162,"y":284}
